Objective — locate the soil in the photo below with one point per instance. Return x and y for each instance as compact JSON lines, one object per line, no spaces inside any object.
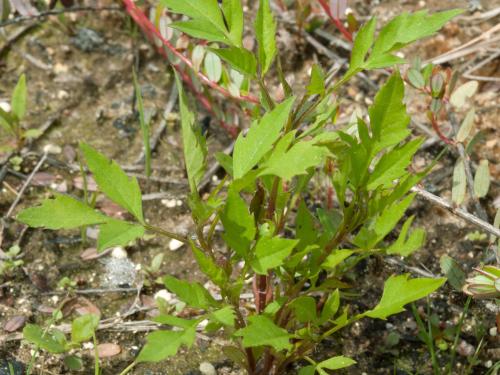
{"x":79,"y":73}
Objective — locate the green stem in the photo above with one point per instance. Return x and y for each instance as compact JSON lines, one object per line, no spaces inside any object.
{"x":167,"y":233}
{"x":128,"y":368}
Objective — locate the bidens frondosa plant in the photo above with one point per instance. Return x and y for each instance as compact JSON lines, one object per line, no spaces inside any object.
{"x":295,"y":256}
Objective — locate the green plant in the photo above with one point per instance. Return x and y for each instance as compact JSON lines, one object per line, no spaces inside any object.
{"x":9,"y":260}
{"x":11,"y":120}
{"x":295,"y":257}
{"x":54,"y":341}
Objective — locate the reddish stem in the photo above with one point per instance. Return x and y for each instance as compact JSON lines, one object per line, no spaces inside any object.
{"x":336,"y":21}
{"x":438,"y":131}
{"x":140,"y":18}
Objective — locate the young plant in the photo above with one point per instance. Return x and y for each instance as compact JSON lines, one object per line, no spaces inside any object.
{"x":11,"y":120}
{"x":54,"y":341}
{"x":294,"y":256}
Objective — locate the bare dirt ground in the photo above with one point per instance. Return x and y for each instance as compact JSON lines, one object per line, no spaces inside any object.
{"x":79,"y":73}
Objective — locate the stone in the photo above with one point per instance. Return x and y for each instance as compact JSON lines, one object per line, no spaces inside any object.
{"x":206,"y":368}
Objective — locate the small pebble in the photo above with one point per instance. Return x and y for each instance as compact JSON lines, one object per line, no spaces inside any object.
{"x":493,"y":331}
{"x":52,"y":149}
{"x":164,"y":294}
{"x":5,"y":106}
{"x":119,"y":253}
{"x":207,"y":368}
{"x":175,"y":245}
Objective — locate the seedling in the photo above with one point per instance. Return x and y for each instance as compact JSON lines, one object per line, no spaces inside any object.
{"x":11,"y":121}
{"x":294,"y":256}
{"x":54,"y":341}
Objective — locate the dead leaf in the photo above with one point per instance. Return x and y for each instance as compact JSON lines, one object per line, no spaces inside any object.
{"x":84,"y":306}
{"x":108,"y":349}
{"x":90,"y":253}
{"x":91,"y":184}
{"x":43,"y":179}
{"x":24,"y":7}
{"x":14,"y":323}
{"x":110,"y":208}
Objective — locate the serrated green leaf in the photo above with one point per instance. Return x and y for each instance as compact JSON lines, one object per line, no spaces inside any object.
{"x":113,"y":181}
{"x":262,"y":331}
{"x":265,"y":31}
{"x":482,"y":179}
{"x":201,"y":29}
{"x":453,"y":272}
{"x":239,"y":224}
{"x":163,"y":344}
{"x":83,"y":327}
{"x":239,"y":58}
{"x":249,"y":149}
{"x":118,"y":233}
{"x":388,"y":118}
{"x":209,"y":267}
{"x":462,"y":93}
{"x":233,"y":12}
{"x":204,"y":13}
{"x":459,"y":183}
{"x":374,"y":231}
{"x":335,"y":258}
{"x":330,"y":308}
{"x":194,"y":294}
{"x":317,"y":83}
{"x":466,"y":126}
{"x":393,"y":165}
{"x":336,"y":363}
{"x":194,"y":145}
{"x":62,"y":212}
{"x":19,"y":96}
{"x":52,"y":341}
{"x":225,"y":316}
{"x":304,"y":309}
{"x":288,"y":163}
{"x":305,"y":230}
{"x":270,"y":252}
{"x":399,"y":291}
{"x":362,"y":44}
{"x":175,"y":321}
{"x":407,"y":28}
{"x":405,"y":246}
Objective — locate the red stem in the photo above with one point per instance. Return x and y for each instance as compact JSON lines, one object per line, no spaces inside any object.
{"x":438,"y":131}
{"x":140,"y":18}
{"x":336,"y":21}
